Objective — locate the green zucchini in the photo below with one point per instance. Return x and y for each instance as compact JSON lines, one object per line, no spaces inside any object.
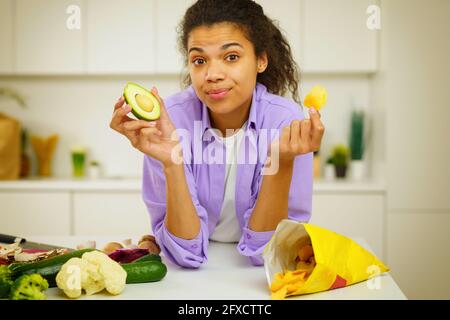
{"x":148,"y":257}
{"x":147,"y":271}
{"x":47,"y":268}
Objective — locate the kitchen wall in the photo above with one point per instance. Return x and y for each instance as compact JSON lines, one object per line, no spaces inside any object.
{"x":412,"y":90}
{"x":79,"y":108}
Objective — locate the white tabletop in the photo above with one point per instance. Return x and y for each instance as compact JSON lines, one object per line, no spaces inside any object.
{"x":226,"y":275}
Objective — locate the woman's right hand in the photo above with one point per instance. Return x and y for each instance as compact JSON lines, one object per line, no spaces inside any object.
{"x":157,"y":139}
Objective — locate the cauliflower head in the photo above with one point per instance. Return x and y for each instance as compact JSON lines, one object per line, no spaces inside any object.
{"x":114,"y":276}
{"x":92,"y":273}
{"x":70,"y":277}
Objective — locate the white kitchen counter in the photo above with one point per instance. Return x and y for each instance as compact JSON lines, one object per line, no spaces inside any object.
{"x":67,"y":185}
{"x":226,"y":275}
{"x":134,"y":185}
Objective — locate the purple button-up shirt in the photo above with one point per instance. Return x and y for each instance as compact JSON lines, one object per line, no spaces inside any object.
{"x":205,"y":174}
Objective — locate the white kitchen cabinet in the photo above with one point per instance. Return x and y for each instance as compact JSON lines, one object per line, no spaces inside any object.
{"x":35,"y":213}
{"x":168,"y":16}
{"x":353,"y":215}
{"x":110,"y":213}
{"x":6,"y":36}
{"x":288,"y":14}
{"x":139,"y":36}
{"x":336,"y":38}
{"x":112,"y":208}
{"x":44,"y":42}
{"x":121,"y":36}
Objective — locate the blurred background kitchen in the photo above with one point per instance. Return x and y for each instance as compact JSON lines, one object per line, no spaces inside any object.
{"x":382,"y":173}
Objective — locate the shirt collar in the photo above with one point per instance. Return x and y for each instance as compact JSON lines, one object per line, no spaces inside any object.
{"x":252,"y":117}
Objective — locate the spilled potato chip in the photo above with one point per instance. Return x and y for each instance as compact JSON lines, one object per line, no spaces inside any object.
{"x":288,"y":282}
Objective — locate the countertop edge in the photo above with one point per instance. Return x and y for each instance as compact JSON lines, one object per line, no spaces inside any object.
{"x":135,"y":185}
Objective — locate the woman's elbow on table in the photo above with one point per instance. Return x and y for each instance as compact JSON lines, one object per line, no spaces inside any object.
{"x":185,"y":254}
{"x":182,"y":252}
{"x":256,"y":261}
{"x":189,"y":260}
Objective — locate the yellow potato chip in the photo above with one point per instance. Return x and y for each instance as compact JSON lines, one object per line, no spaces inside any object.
{"x":279,"y":276}
{"x":317,"y":98}
{"x":291,"y":288}
{"x":280,"y":294}
{"x":276,"y":285}
{"x":287,"y":282}
{"x":288,"y":276}
{"x":305,"y":267}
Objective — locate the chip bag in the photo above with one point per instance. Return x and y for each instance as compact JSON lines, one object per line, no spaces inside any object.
{"x":302,"y":258}
{"x":10,"y":148}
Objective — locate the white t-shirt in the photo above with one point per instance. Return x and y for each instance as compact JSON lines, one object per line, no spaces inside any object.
{"x":228,"y":229}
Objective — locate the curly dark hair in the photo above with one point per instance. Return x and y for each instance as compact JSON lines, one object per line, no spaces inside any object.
{"x":282,"y":72}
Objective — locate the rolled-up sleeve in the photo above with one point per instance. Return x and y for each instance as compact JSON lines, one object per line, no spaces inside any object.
{"x":252,"y":243}
{"x":190,"y":253}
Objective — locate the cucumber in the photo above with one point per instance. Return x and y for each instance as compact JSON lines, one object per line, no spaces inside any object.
{"x":5,"y":287}
{"x":47,"y":268}
{"x":148,"y":257}
{"x":147,"y":271}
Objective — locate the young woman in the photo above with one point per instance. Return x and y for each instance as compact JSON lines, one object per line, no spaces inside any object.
{"x":239,"y":65}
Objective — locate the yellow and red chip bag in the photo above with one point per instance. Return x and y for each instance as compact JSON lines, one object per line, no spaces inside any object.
{"x":336,"y":261}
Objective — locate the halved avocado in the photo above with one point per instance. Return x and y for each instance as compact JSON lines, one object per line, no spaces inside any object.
{"x":144,"y":104}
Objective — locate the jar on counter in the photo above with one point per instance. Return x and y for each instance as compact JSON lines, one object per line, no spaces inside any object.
{"x":79,"y":155}
{"x":94,"y":170}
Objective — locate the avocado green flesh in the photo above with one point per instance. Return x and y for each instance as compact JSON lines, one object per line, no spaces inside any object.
{"x":130,"y":92}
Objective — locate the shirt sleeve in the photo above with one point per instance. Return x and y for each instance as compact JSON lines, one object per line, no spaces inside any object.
{"x":185,"y":253}
{"x":252,"y":243}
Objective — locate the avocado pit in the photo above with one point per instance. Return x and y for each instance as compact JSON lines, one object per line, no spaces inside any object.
{"x":144,"y":102}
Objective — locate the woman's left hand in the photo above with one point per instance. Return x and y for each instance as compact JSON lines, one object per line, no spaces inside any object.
{"x":300,"y":137}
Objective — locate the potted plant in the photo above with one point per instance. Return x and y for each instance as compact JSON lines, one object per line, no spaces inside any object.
{"x":357,"y":166}
{"x":94,"y":169}
{"x":25,"y":164}
{"x":340,"y":158}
